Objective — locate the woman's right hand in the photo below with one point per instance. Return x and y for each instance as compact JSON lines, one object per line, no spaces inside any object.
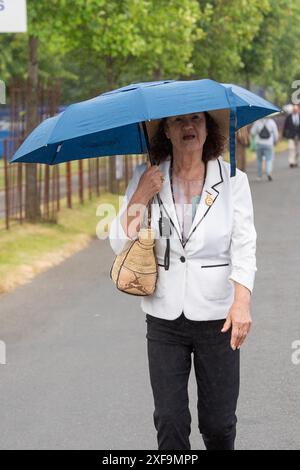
{"x":150,"y":183}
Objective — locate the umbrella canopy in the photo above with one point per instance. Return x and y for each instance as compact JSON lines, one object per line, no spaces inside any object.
{"x":110,"y":124}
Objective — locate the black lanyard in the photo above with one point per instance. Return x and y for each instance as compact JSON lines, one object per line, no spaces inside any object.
{"x":161,"y":220}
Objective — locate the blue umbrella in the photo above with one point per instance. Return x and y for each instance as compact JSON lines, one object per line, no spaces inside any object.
{"x":110,"y":124}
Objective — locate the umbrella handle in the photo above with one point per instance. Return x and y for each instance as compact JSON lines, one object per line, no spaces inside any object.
{"x":147,"y":142}
{"x":232,"y":130}
{"x":151,"y":163}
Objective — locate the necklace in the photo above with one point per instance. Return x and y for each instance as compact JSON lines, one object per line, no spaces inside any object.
{"x":171,"y":178}
{"x":195,"y":199}
{"x":187,"y":179}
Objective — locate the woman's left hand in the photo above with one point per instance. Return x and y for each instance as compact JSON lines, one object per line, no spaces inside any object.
{"x":239,"y":319}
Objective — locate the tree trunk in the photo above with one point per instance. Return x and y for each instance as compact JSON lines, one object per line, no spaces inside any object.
{"x":32,"y":201}
{"x":157,"y":73}
{"x":248,"y":81}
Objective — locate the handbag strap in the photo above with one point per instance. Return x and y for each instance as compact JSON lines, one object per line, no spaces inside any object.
{"x":167,"y":251}
{"x":149,"y":212}
{"x":151,"y":162}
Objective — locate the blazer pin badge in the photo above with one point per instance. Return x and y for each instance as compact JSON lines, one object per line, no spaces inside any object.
{"x":209,"y":200}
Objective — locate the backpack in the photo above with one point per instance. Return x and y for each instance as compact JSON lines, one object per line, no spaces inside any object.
{"x":264,"y":133}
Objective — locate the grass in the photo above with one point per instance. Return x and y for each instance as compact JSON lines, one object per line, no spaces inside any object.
{"x":282,"y":146}
{"x":1,"y":175}
{"x":29,"y":249}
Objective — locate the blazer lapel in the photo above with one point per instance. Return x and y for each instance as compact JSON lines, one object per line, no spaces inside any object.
{"x":210,"y":192}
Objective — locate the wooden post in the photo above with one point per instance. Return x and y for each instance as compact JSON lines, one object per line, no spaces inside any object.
{"x":80,"y":181}
{"x":32,"y":201}
{"x":6,"y":185}
{"x":69,"y":184}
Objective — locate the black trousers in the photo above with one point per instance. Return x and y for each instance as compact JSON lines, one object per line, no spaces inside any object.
{"x":170,"y":345}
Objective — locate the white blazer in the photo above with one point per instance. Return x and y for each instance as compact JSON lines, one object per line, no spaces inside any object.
{"x":220,"y":247}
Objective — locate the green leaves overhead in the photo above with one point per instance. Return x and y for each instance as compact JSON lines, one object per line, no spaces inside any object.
{"x":273,"y":59}
{"x":169,"y":32}
{"x":159,"y":34}
{"x":229,"y":27}
{"x":99,"y":44}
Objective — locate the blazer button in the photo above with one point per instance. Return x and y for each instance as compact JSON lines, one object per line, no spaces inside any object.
{"x":182,"y":259}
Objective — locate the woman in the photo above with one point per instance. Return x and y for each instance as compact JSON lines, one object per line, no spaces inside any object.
{"x":201,"y":304}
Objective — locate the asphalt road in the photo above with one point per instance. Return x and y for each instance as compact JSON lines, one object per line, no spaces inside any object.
{"x":76,"y":375}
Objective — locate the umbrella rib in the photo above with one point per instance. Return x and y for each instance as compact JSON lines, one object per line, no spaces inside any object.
{"x":59,"y":117}
{"x":140,"y":137}
{"x":58,"y":147}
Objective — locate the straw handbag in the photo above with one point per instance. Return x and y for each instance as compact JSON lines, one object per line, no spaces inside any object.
{"x":135,"y":270}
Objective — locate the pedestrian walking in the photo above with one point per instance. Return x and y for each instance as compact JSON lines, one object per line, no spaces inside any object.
{"x":291,"y":131}
{"x":201,"y":305}
{"x":265,"y":132}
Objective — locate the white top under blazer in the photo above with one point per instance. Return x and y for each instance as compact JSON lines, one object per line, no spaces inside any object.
{"x":220,"y":247}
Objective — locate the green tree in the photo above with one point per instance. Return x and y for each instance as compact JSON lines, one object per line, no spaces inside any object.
{"x":229,"y":26}
{"x":38,"y":52}
{"x":45,"y":21}
{"x":169,"y":30}
{"x":272,"y":61}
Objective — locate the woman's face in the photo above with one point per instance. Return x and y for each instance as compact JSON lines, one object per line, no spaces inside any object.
{"x":186,"y":132}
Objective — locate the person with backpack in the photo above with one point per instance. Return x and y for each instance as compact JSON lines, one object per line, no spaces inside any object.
{"x":265,"y":132}
{"x":291,"y":131}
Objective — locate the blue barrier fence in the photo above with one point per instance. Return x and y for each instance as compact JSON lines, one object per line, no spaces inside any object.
{"x":3,"y":135}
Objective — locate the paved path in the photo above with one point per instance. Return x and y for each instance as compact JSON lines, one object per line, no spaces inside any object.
{"x":76,"y":375}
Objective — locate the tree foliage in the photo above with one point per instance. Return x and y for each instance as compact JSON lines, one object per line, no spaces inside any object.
{"x":272,"y":61}
{"x":95,"y":45}
{"x":229,"y":26}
